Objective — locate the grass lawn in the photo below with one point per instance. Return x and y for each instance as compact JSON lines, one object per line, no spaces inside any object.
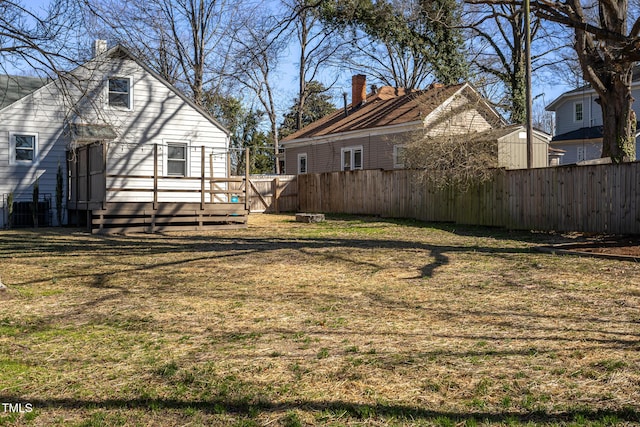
{"x":354,"y":321}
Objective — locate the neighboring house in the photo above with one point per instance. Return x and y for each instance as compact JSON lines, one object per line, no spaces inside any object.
{"x":579,"y":122}
{"x":370,"y":132}
{"x":126,"y":139}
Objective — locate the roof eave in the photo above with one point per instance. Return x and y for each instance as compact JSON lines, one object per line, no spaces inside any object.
{"x":578,"y":92}
{"x":380,"y":130}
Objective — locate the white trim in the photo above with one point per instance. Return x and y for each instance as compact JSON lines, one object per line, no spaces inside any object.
{"x":306,"y":163}
{"x":131,"y":98}
{"x":574,"y":112}
{"x":580,"y":94}
{"x":353,"y":149}
{"x":165,"y":156}
{"x":12,"y":149}
{"x":447,"y":102}
{"x":397,"y":163}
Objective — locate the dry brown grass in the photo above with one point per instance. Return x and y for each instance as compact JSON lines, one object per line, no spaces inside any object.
{"x":348,"y":322}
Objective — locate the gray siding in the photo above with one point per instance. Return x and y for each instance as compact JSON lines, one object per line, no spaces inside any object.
{"x":32,"y":116}
{"x":592,"y":150}
{"x":592,"y":113}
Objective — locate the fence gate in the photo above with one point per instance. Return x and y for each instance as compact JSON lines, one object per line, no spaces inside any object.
{"x":273,"y":193}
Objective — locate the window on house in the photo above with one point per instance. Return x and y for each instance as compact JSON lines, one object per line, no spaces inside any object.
{"x":302,"y":163}
{"x":578,"y":113}
{"x":398,"y":156}
{"x":120,"y":92}
{"x":177,"y":159}
{"x":351,"y":158}
{"x":24,"y":148}
{"x":581,"y":154}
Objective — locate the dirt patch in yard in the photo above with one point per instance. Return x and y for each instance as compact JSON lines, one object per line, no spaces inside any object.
{"x":620,"y":247}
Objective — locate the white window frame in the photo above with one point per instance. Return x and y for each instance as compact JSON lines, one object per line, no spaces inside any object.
{"x":306,"y":163}
{"x":352,"y":150}
{"x":13,"y":147}
{"x":120,"y":107}
{"x":186,"y":146}
{"x":575,"y":112}
{"x":581,"y":153}
{"x":398,"y":162}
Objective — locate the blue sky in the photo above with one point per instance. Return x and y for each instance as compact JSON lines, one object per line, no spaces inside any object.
{"x":544,"y":92}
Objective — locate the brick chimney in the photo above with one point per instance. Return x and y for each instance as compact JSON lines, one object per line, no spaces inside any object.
{"x":358,"y":90}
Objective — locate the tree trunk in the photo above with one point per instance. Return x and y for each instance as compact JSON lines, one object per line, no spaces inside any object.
{"x":618,"y":139}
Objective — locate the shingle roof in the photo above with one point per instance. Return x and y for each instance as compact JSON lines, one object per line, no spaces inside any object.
{"x":90,"y":133}
{"x":13,"y":88}
{"x":582,"y":133}
{"x":593,"y":132}
{"x":388,"y":106}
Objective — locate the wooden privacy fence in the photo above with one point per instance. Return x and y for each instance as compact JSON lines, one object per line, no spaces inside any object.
{"x":273,"y":193}
{"x":596,"y":198}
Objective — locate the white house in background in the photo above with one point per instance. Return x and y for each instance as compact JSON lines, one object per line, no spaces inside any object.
{"x":579,"y":122}
{"x":145,"y":128}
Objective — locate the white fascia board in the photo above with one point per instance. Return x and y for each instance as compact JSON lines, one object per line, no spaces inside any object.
{"x":443,"y":105}
{"x":342,"y":136}
{"x":575,"y":94}
{"x":449,"y":100}
{"x":542,"y":135}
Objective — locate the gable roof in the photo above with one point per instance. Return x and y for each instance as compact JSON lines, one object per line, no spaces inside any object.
{"x":19,"y":87}
{"x":13,"y":88}
{"x":120,"y":51}
{"x":498,"y":133}
{"x":635,"y":80}
{"x":387,"y":107}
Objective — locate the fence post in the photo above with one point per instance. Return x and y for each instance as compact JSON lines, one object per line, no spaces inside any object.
{"x":202,"y":178}
{"x":155,"y":176}
{"x":247,"y":184}
{"x":276,"y":194}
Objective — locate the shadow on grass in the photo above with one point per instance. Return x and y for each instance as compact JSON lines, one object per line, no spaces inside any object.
{"x":61,"y":243}
{"x":252,"y":409}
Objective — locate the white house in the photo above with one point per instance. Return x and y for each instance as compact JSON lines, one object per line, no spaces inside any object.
{"x":579,"y":122}
{"x":122,"y":135}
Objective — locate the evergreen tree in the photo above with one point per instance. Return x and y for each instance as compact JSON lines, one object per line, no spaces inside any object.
{"x":317,"y":105}
{"x":425,"y":30}
{"x":244,"y":125}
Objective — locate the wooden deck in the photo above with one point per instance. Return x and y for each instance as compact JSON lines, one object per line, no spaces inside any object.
{"x":127,"y":202}
{"x":143,"y":217}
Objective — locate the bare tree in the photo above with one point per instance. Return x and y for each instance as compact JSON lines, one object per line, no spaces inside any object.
{"x":458,"y":149}
{"x":607,"y":43}
{"x":497,"y":49}
{"x":318,"y":49}
{"x":186,"y":41}
{"x":253,"y":62}
{"x":35,"y":41}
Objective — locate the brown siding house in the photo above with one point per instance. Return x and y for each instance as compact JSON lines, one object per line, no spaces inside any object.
{"x":370,"y":132}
